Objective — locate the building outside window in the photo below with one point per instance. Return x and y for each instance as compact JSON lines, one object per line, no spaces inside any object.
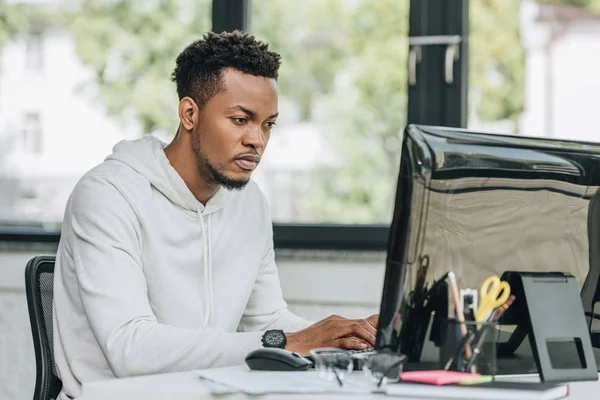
{"x":32,"y":133}
{"x":34,"y":52}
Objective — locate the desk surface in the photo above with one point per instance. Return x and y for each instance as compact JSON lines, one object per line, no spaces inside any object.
{"x":188,"y":386}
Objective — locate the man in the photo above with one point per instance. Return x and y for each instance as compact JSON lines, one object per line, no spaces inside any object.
{"x":166,"y":258}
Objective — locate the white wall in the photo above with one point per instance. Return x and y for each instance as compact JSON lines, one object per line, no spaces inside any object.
{"x":314,"y":287}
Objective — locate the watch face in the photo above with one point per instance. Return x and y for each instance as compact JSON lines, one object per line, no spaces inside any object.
{"x":274,"y":338}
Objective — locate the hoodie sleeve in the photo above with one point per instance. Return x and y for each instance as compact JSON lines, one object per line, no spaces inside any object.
{"x":105,"y":240}
{"x":266,"y":308}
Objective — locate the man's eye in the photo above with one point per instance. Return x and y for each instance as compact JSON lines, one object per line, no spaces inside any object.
{"x":239,"y":121}
{"x":271,"y":124}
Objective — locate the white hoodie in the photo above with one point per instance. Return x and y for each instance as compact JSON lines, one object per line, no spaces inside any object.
{"x":148,"y":280}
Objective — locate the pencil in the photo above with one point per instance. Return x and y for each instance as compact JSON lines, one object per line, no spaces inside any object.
{"x":503,"y":308}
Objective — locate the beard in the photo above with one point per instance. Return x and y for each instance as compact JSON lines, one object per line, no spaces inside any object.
{"x":211,"y":172}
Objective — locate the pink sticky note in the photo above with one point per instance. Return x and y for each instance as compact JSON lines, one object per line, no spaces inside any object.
{"x":437,"y":377}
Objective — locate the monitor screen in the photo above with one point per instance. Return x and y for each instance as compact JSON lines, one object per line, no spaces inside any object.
{"x":481,"y":204}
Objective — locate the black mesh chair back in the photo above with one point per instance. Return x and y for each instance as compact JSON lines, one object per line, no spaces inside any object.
{"x":39,"y":289}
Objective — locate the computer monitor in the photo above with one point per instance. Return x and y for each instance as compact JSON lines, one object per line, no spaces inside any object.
{"x":480,"y":204}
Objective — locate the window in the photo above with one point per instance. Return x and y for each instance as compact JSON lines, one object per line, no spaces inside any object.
{"x":34,"y":52}
{"x":343,"y":95}
{"x":107,"y":69}
{"x":31,"y":133}
{"x":343,"y":102}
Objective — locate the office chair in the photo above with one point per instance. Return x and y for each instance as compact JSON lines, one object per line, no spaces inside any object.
{"x":39,"y":280}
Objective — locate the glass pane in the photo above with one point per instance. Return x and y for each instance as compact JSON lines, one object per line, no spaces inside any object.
{"x":534,"y":68}
{"x":77,"y":76}
{"x":333,"y":156}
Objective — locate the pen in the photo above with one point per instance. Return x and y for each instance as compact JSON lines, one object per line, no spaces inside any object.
{"x":460,"y":317}
{"x":503,"y":308}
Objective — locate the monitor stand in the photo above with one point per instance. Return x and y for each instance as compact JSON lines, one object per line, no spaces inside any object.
{"x":548,"y":310}
{"x":522,"y":361}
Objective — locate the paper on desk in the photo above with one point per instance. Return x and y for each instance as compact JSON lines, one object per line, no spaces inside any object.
{"x":224,"y":380}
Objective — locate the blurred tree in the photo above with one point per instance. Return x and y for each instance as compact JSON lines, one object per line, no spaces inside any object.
{"x":23,"y":17}
{"x":590,"y":5}
{"x":367,"y":115}
{"x":312,"y":46}
{"x":131,"y":45}
{"x":352,"y":87}
{"x":13,"y":19}
{"x":496,"y":60}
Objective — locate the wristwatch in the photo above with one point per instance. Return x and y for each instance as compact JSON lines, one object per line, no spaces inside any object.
{"x":274,"y":338}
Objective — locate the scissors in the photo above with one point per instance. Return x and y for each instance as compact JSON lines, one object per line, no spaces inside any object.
{"x":493,"y":294}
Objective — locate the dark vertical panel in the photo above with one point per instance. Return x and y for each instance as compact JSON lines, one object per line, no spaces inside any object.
{"x":455,"y":101}
{"x":432,"y":100}
{"x":416,"y":93}
{"x":229,"y":15}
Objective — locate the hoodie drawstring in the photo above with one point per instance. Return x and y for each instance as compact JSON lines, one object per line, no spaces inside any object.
{"x":208,"y":289}
{"x":210,"y":277}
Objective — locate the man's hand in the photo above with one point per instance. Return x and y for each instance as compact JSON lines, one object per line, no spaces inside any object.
{"x":373,"y":320}
{"x":335,"y":331}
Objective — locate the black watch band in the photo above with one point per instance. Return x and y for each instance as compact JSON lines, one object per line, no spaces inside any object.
{"x":274,"y":338}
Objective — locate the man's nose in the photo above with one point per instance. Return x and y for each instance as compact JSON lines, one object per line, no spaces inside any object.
{"x":255,"y":137}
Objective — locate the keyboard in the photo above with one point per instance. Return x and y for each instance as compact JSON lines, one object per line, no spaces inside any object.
{"x":360,"y":357}
{"x":363,"y":353}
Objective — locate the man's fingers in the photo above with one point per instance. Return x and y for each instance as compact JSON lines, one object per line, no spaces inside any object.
{"x":336,"y":331}
{"x":368,"y":327}
{"x":352,"y":343}
{"x":356,"y":329}
{"x":373,"y":320}
{"x":332,"y":317}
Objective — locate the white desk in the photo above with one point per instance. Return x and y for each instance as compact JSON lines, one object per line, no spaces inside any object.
{"x":188,"y":386}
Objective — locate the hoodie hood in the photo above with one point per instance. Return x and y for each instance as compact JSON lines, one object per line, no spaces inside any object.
{"x":147,"y":157}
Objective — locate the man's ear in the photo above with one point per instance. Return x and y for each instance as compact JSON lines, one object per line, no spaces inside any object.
{"x":188,"y":113}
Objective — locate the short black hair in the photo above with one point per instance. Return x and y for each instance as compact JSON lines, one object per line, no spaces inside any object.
{"x":199,"y":67}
